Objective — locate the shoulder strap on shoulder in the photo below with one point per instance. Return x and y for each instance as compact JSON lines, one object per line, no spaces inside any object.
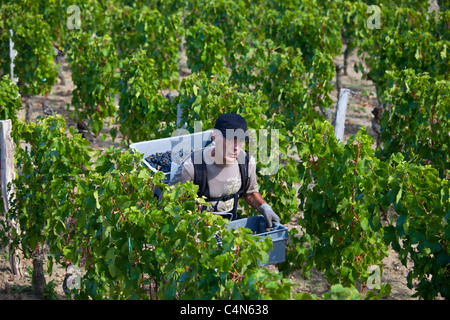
{"x":199,"y":173}
{"x":243,"y":167}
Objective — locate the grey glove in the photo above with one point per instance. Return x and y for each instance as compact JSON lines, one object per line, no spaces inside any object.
{"x":269,"y":214}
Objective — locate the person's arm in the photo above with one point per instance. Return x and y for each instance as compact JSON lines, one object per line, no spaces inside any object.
{"x":256,"y":201}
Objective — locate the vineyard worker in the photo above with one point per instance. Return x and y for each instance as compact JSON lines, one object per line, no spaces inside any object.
{"x":225,"y":172}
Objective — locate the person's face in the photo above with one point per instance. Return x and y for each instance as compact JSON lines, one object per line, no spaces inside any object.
{"x":227,"y":150}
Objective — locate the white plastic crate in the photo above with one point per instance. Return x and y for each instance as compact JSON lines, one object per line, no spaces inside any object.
{"x":185,"y":143}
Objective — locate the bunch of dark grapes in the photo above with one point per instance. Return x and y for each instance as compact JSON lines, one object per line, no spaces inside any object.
{"x":160,"y":161}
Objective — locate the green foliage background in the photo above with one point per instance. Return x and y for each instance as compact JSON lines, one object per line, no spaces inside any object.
{"x":272,"y":62}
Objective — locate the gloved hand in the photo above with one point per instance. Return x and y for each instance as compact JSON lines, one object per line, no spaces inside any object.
{"x":269,"y":214}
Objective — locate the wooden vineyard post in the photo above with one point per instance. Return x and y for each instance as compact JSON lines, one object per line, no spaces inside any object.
{"x":7,"y":176}
{"x":7,"y":160}
{"x":341,"y":110}
{"x":339,"y":68}
{"x":12,"y":55}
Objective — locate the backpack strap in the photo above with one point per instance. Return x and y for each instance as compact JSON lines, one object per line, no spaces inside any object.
{"x":243,"y":167}
{"x":200,"y":175}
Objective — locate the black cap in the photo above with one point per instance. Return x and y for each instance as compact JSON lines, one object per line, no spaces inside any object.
{"x":236,"y":125}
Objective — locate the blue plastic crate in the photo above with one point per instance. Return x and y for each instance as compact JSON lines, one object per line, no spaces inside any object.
{"x":278,"y":233}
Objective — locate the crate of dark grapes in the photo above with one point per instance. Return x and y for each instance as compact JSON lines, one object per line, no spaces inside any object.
{"x":167,"y":154}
